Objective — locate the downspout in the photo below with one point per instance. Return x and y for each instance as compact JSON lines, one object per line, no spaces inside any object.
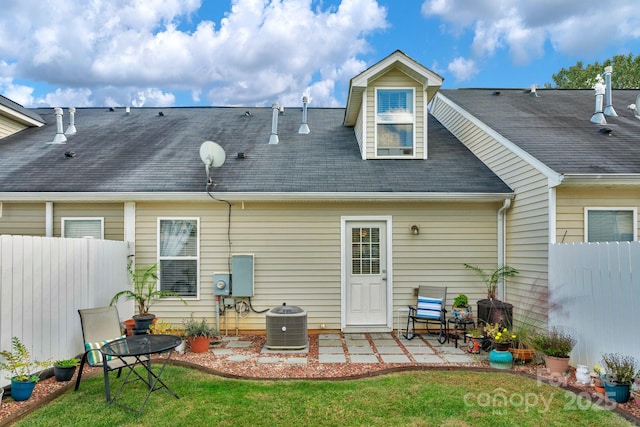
{"x":502,"y":243}
{"x":48,"y":219}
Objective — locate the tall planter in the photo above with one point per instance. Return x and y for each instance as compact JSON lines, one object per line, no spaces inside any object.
{"x":22,"y":390}
{"x":63,"y":373}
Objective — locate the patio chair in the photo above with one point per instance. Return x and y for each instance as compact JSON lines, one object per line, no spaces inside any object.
{"x":429,"y":309}
{"x":99,"y":326}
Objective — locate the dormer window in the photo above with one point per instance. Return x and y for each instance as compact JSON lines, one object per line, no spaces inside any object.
{"x":395,"y":122}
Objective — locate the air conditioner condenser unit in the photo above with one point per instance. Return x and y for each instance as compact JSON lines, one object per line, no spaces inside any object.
{"x":286,"y":328}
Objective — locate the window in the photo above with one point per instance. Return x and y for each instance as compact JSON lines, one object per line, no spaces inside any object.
{"x":610,"y":225}
{"x":179,"y":255}
{"x":92,"y":228}
{"x":394,"y":122}
{"x":365,"y":250}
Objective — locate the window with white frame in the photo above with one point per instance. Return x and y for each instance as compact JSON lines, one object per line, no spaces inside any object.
{"x":610,"y":224}
{"x":179,"y":255}
{"x":395,"y":122}
{"x":92,"y":228}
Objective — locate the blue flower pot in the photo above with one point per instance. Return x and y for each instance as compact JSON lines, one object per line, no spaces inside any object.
{"x":500,"y":359}
{"x":22,"y":390}
{"x":617,"y":392}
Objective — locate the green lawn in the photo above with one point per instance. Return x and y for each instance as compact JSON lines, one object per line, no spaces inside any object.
{"x":415,"y":398}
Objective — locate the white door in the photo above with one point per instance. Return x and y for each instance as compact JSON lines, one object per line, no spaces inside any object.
{"x":366,"y":279}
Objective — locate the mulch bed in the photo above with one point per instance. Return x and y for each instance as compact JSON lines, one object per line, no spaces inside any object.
{"x":48,"y":389}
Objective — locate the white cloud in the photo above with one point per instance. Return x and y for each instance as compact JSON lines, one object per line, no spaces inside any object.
{"x":462,"y":69}
{"x":260,"y":51}
{"x":574,"y":27}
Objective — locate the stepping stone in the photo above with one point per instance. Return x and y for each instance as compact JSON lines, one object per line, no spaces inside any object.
{"x":238,"y":358}
{"x":296,"y":361}
{"x":265,"y":360}
{"x":329,"y":336}
{"x":357,"y":343}
{"x":420,"y":350}
{"x":363,"y":358}
{"x":360,"y":350}
{"x":381,"y":335}
{"x":332,"y":358}
{"x":230,"y":338}
{"x":355,"y":336}
{"x":394,"y":358}
{"x":458,"y":358}
{"x":389,"y":350}
{"x":222,"y":352}
{"x":450,"y":350}
{"x":330,"y":350}
{"x":428,"y":358}
{"x":239,"y":344}
{"x":385,"y":343}
{"x":330,"y":343}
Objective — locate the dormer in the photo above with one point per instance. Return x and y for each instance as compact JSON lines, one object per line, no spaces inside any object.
{"x":387,"y":107}
{"x":14,"y":117}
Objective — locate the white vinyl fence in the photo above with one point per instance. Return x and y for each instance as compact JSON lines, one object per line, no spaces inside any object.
{"x":594,"y":292}
{"x":43,"y":283}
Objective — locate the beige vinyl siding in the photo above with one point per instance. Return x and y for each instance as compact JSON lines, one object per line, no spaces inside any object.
{"x":9,"y":127}
{"x":571,"y":201}
{"x":395,"y":78}
{"x":297,"y":252}
{"x":113,"y":214}
{"x":23,"y":219}
{"x":527,"y":218}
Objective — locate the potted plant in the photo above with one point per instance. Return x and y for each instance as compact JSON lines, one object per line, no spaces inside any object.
{"x":22,"y":367}
{"x":522,"y":346}
{"x":198,"y":334}
{"x":475,"y":340}
{"x":145,"y":293}
{"x":500,"y":337}
{"x":461,"y":307}
{"x":491,"y":278}
{"x":555,"y":345}
{"x":621,"y":371}
{"x":598,"y":377}
{"x":65,"y":368}
{"x":163,"y":327}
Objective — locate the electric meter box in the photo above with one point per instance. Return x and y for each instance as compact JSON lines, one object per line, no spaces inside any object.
{"x":221,"y":284}
{"x":242,"y":275}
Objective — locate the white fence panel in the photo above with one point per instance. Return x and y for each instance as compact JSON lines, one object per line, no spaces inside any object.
{"x":43,"y":283}
{"x":594,"y":292}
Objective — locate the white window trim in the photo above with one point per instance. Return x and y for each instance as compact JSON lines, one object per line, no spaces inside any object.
{"x":586,"y":219}
{"x":64,"y":219}
{"x":375,"y":120}
{"x":197,"y":257}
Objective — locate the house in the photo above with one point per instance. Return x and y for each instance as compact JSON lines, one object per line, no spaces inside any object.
{"x":344,"y":211}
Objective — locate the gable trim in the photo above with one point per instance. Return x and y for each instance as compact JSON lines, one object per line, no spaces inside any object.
{"x":554,"y":178}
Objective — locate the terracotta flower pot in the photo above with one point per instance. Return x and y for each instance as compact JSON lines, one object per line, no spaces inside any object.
{"x":556,"y":365}
{"x":199,"y":344}
{"x":523,"y":354}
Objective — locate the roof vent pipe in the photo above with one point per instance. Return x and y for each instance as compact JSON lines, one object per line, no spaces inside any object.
{"x":533,"y":92}
{"x":127,"y":110}
{"x":273,"y":139}
{"x":598,"y":117}
{"x":608,"y":108}
{"x":59,"y":138}
{"x":304,"y":127}
{"x":71,"y":130}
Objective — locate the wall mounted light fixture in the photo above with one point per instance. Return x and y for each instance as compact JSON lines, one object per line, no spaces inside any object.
{"x":415,"y":230}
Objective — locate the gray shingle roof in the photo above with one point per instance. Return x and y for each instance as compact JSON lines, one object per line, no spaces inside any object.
{"x":145,"y":152}
{"x":556,"y":129}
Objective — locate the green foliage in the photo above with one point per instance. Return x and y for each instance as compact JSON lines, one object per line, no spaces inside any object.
{"x":194,"y":328}
{"x":620,"y":369}
{"x":19,"y":363}
{"x":626,"y":73}
{"x":67,"y":362}
{"x":491,"y":279}
{"x":145,"y":292}
{"x":555,"y":343}
{"x":461,"y":301}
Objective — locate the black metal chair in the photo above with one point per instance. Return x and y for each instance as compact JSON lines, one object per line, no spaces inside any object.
{"x":429,"y":310}
{"x":100,"y":325}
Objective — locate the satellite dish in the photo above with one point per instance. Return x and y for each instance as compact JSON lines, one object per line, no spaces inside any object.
{"x":211,"y":154}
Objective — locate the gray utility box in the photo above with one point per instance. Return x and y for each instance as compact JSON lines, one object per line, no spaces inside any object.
{"x":287,"y":328}
{"x":242,"y":275}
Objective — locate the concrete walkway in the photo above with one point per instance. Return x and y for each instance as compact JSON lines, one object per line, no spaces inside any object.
{"x":341,"y":348}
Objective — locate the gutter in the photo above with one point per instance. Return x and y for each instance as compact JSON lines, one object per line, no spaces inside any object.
{"x":502,"y":243}
{"x":250,"y":196}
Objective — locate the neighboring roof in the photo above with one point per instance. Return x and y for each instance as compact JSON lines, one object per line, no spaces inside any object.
{"x":144,"y":152}
{"x":397,"y":60}
{"x":18,"y":113}
{"x":555,"y":127}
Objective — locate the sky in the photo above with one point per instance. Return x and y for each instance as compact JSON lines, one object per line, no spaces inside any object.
{"x":162,"y":53}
